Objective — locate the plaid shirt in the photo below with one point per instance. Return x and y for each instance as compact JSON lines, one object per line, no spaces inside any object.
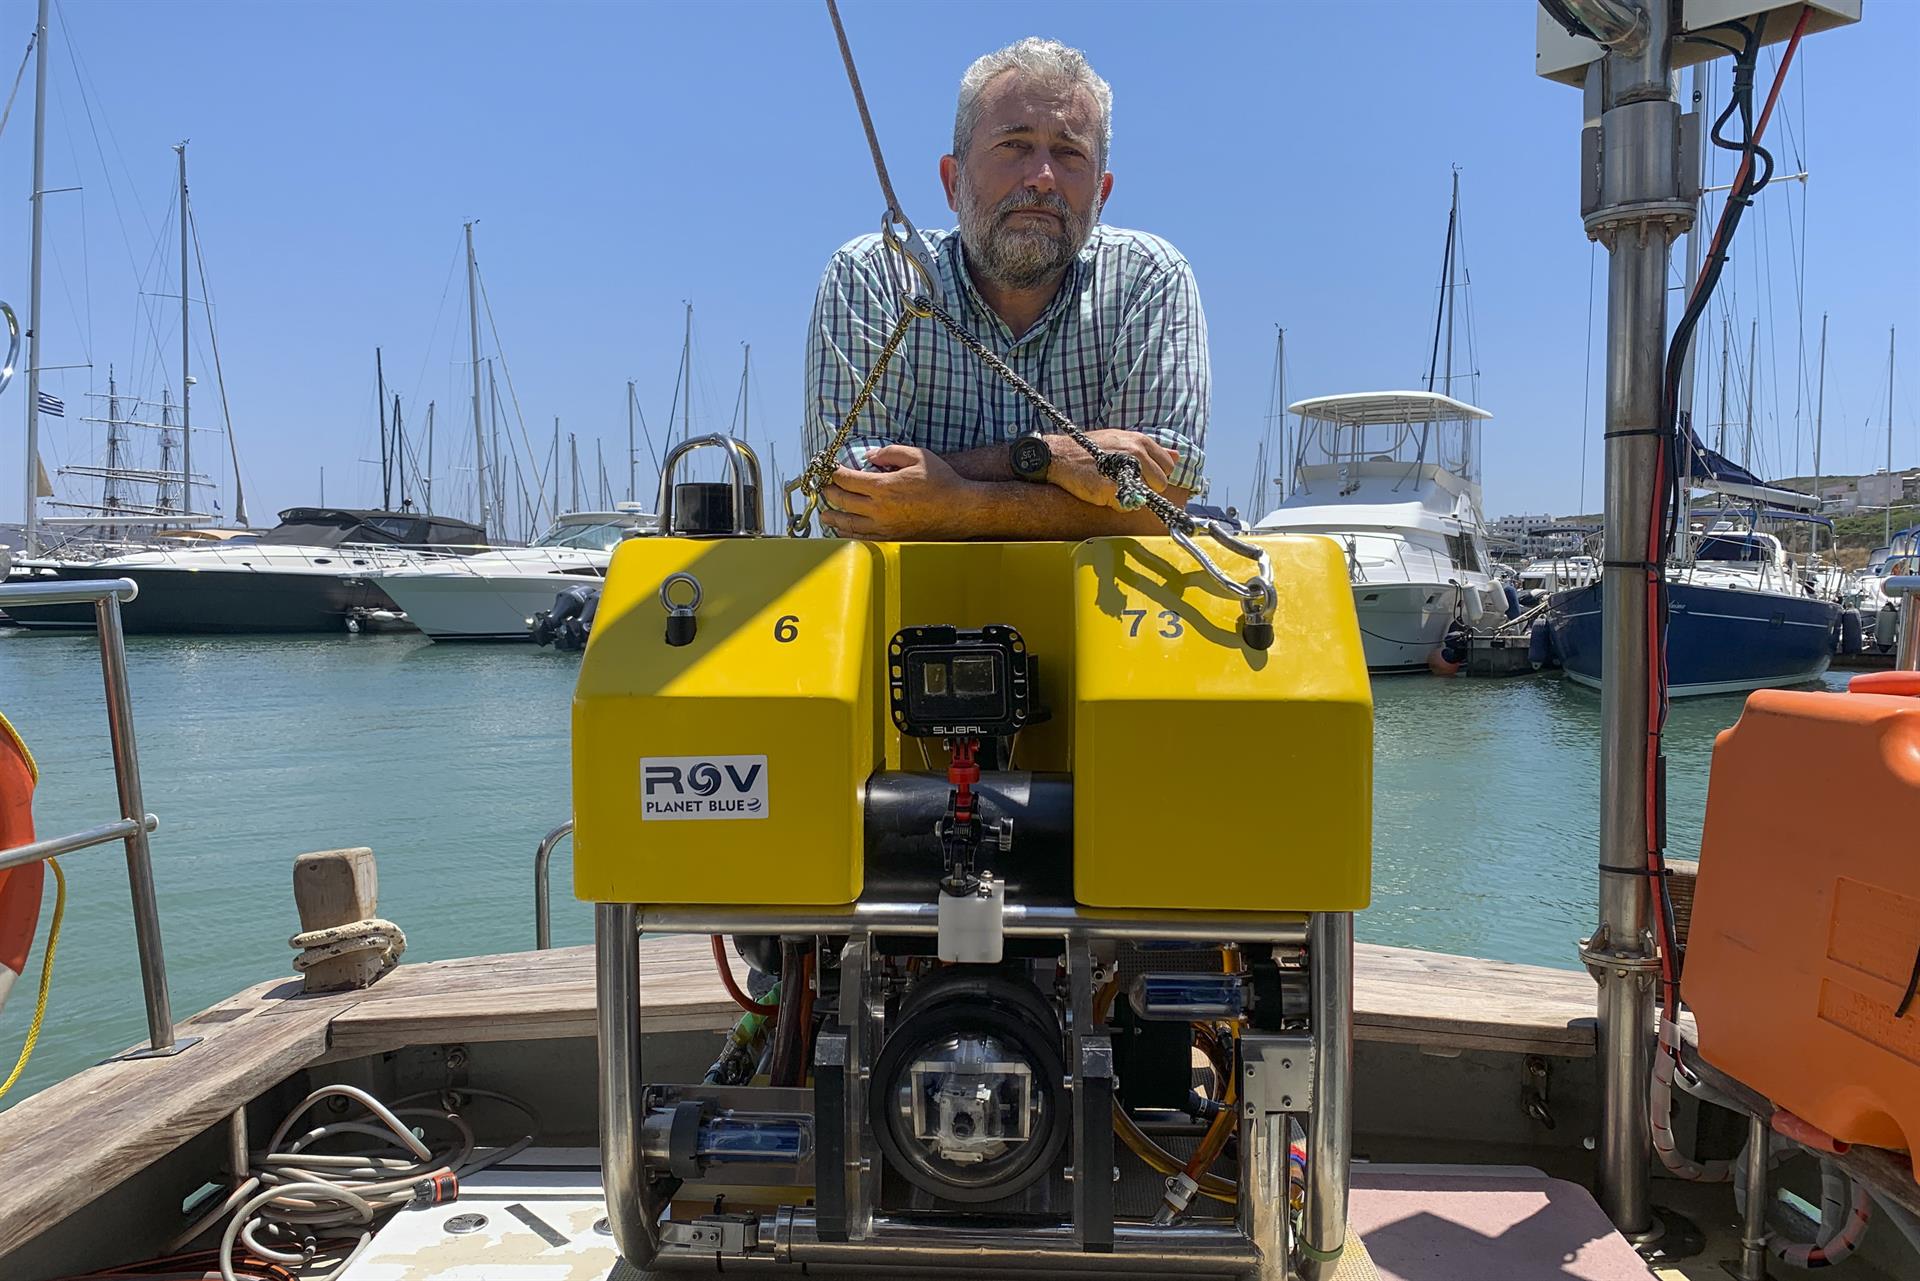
{"x":1123,"y":344}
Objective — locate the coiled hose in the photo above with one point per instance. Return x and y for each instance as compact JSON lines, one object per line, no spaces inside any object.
{"x":300,"y":1199}
{"x":1846,"y":1207}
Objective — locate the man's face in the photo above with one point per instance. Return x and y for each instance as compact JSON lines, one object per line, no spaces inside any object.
{"x":1029,"y":189}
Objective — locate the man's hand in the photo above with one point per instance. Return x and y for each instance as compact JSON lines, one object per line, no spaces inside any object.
{"x":1073,"y":467}
{"x":919,"y":497}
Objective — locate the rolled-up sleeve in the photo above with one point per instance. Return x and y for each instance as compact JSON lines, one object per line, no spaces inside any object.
{"x":851,"y":322}
{"x":1160,"y":381}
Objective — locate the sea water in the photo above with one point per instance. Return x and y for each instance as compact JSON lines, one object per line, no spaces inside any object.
{"x":451,"y":762}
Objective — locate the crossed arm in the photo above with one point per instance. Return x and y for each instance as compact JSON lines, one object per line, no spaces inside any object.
{"x":926,"y":496}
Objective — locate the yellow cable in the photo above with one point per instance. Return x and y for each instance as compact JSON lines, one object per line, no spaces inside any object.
{"x":46,"y":975}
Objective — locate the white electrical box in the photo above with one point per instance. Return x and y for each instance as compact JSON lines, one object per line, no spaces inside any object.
{"x":1562,"y":57}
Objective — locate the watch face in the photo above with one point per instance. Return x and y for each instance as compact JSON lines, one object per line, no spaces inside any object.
{"x":1031,"y":456}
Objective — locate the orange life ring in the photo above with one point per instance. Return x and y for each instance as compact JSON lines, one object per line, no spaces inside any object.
{"x":19,"y":886}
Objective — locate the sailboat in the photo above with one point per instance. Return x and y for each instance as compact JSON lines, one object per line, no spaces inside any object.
{"x":311,"y":572}
{"x":1394,"y":478}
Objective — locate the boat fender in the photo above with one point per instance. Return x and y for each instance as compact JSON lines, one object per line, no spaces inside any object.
{"x":1852,"y":639}
{"x":1440,"y":665}
{"x":1886,"y":628}
{"x":19,"y":886}
{"x":1540,"y":645}
{"x":1513,"y":600}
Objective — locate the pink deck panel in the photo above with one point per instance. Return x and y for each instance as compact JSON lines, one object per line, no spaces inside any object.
{"x":1421,"y":1226}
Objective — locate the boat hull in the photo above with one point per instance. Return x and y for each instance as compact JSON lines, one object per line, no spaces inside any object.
{"x":457,"y":606}
{"x":1720,"y":640}
{"x":1401,"y":624}
{"x":179,"y":601}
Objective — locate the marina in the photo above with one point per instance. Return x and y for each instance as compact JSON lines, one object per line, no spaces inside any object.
{"x":978,"y":828}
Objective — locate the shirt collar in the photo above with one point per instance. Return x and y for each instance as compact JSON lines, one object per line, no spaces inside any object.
{"x":1071,"y":285}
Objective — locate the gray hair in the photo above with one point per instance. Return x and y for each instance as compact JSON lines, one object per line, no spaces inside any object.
{"x":1047,"y":61}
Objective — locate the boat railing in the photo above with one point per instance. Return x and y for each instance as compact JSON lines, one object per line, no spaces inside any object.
{"x":1906,"y":655}
{"x":134,"y":823}
{"x":542,"y":899}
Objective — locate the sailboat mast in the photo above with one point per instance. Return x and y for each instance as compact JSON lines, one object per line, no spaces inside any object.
{"x":426,"y":484}
{"x":473,"y":355}
{"x":633,"y":462}
{"x":1286,"y":452}
{"x":1753,"y":371}
{"x":386,"y":456}
{"x":746,"y":365}
{"x":1453,"y":266}
{"x":400,"y":452}
{"x":1819,"y":422}
{"x":556,"y":467}
{"x":600,"y":465}
{"x":1446,"y":275}
{"x":573,"y":455}
{"x":110,"y":485}
{"x":686,"y":378}
{"x":186,"y":344}
{"x":33,"y":289}
{"x":1890,"y":488}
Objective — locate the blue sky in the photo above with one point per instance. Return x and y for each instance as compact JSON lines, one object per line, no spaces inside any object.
{"x":622,"y":158}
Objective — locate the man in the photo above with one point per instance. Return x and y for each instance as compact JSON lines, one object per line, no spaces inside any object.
{"x":1105,"y":323}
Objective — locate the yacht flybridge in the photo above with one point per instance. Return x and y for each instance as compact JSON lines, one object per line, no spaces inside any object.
{"x":1393,"y":477}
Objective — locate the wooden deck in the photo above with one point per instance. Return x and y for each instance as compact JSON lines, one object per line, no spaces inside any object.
{"x":67,"y":1144}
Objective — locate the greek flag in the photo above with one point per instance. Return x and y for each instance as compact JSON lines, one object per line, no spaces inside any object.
{"x":53,"y":405}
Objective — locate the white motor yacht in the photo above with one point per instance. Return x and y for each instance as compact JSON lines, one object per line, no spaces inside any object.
{"x":492,"y":596}
{"x":1394,"y":478}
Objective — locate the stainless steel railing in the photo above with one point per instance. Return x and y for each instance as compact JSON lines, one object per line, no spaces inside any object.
{"x":134,"y":822}
{"x":542,"y":901}
{"x":1907,"y":586}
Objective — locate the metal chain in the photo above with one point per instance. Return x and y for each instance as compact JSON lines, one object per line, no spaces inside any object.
{"x":818,"y":473}
{"x":1122,"y":469}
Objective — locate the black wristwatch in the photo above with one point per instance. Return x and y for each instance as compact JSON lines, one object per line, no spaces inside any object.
{"x":1030,"y":456}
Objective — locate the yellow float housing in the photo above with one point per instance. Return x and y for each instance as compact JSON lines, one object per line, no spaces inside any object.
{"x":1207,"y":775}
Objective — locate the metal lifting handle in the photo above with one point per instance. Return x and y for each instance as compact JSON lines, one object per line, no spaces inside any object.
{"x":743,"y":471}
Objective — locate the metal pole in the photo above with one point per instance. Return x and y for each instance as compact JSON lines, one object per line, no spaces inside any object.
{"x":1330,"y":1133}
{"x":186,"y":376}
{"x":616,"y":951}
{"x":126,"y":773}
{"x":426,"y":484}
{"x":1753,"y":1228}
{"x":633,"y":462}
{"x":32,"y":542}
{"x":542,"y":896}
{"x":573,"y":472}
{"x":473,"y":357}
{"x":1639,"y":207}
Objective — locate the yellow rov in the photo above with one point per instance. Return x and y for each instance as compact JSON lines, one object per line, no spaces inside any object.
{"x":1023,"y":831}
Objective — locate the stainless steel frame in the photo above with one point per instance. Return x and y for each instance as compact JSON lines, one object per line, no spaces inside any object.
{"x":542,"y":896}
{"x":1290,"y":1077}
{"x":1906,"y":656}
{"x":134,"y":823}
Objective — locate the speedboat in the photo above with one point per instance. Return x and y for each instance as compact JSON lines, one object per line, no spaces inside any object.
{"x":492,"y":595}
{"x":306,"y":574}
{"x":1393,"y":477}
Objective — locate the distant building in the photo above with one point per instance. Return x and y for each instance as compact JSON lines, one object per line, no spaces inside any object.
{"x":1883,"y":489}
{"x":1533,"y":535}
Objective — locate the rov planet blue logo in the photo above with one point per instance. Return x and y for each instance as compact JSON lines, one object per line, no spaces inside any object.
{"x":703,"y":787}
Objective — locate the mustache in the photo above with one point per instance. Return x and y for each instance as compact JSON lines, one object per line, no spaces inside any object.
{"x":1051,"y":201}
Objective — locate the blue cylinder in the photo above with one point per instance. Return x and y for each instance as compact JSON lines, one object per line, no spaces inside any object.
{"x":1540,"y":645}
{"x":1513,"y":601}
{"x":1188,"y":996}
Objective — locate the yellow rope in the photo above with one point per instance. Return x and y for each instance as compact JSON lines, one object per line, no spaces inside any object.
{"x":46,"y":975}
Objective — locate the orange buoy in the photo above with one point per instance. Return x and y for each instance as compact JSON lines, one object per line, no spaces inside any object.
{"x":19,"y":886}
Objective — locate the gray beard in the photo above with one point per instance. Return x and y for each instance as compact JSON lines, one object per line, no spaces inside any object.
{"x":1020,"y":257}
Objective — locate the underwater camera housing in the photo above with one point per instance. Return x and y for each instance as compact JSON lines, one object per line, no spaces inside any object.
{"x":1003,"y":938}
